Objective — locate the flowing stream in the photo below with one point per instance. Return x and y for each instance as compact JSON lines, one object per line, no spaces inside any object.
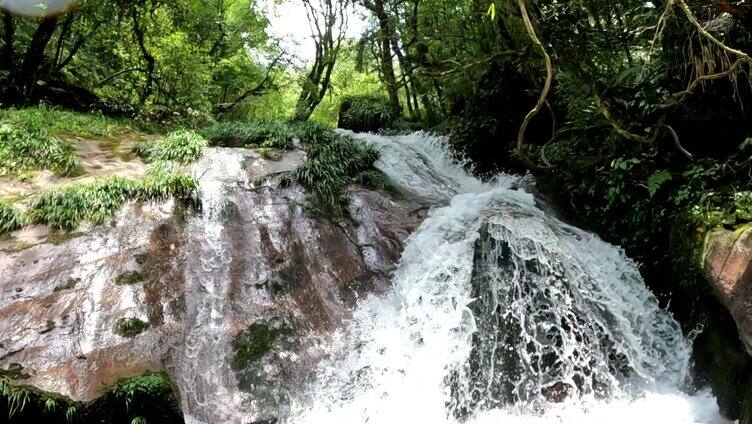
{"x":500,"y":313}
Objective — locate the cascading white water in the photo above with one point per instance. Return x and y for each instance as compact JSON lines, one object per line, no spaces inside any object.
{"x":202,"y":388}
{"x":500,"y":313}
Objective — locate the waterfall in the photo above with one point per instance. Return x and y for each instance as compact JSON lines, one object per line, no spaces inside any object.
{"x":500,"y":313}
{"x":204,"y":352}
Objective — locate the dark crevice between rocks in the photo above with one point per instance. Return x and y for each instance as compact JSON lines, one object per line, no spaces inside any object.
{"x":722,"y":363}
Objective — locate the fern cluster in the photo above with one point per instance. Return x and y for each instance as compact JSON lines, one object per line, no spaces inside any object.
{"x":180,"y":146}
{"x":30,"y":147}
{"x":69,"y":206}
{"x":148,"y":398}
{"x":335,"y":162}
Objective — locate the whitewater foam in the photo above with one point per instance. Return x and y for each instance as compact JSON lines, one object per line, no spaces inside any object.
{"x":500,"y":313}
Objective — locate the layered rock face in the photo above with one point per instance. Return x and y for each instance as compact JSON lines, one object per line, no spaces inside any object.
{"x":233,"y":302}
{"x":728,"y":267}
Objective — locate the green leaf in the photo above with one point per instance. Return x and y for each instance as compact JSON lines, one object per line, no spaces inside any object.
{"x":656,"y":181}
{"x":746,"y":144}
{"x":492,"y":11}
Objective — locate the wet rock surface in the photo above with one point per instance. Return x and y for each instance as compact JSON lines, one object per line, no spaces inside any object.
{"x":206,"y":284}
{"x":728,"y":268}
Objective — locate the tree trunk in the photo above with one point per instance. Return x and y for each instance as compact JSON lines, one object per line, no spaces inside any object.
{"x":34,"y":56}
{"x":138,"y":32}
{"x":8,"y":36}
{"x":324,"y":22}
{"x":386,"y":34}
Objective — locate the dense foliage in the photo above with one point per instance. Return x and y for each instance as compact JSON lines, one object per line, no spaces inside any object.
{"x":365,"y":114}
{"x":180,"y":146}
{"x":149,"y":398}
{"x":160,"y":59}
{"x":264,"y":133}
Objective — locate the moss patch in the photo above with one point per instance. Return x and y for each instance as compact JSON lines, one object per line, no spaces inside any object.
{"x":20,"y":247}
{"x":130,"y":327}
{"x":252,"y":344}
{"x":69,"y":284}
{"x":61,"y":237}
{"x":128,"y":278}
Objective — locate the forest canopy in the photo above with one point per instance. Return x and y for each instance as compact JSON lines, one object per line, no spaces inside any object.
{"x":617,"y":103}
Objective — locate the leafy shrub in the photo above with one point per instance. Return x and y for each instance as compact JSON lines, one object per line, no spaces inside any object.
{"x":180,"y":146}
{"x":335,"y":162}
{"x":366,"y":113}
{"x":314,"y":133}
{"x":29,"y":146}
{"x":266,"y":133}
{"x":164,"y":180}
{"x":11,"y":218}
{"x":28,"y":404}
{"x":148,"y":398}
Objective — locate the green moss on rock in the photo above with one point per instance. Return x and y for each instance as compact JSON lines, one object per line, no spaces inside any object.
{"x":365,"y":114}
{"x":128,"y":278}
{"x":130,"y":327}
{"x":68,"y":285}
{"x":252,"y":344}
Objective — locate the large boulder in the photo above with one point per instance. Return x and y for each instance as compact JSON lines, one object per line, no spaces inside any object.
{"x":365,"y":114}
{"x":728,"y":267}
{"x":233,"y":303}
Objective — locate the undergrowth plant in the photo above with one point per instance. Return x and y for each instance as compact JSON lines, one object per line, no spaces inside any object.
{"x":11,"y":218}
{"x":365,"y":113}
{"x":29,"y":146}
{"x":29,"y":404}
{"x":180,"y":146}
{"x":69,"y":206}
{"x":164,"y":179}
{"x":335,"y":162}
{"x":149,"y":398}
{"x":64,"y":122}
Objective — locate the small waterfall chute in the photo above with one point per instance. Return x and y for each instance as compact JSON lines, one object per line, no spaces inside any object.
{"x":501,"y":313}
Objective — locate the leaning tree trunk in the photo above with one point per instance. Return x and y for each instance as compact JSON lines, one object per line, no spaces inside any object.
{"x":138,"y":33}
{"x":9,"y":30}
